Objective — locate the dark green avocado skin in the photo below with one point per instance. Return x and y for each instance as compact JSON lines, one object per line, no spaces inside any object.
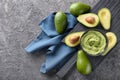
{"x":83,"y":64}
{"x":60,"y":21}
{"x":78,"y":8}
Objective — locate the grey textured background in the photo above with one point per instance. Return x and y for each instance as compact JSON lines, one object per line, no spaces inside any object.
{"x":19,"y":21}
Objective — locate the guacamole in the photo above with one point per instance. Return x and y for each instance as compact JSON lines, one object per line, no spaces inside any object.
{"x":93,"y":42}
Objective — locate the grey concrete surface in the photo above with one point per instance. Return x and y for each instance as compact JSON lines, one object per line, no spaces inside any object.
{"x":19,"y":21}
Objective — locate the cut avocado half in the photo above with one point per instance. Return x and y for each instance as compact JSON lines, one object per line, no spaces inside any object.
{"x":105,"y":18}
{"x":89,"y":19}
{"x":112,"y":40}
{"x":73,"y":39}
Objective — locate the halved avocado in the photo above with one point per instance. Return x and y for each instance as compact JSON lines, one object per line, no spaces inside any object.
{"x":112,"y":40}
{"x":73,"y":39}
{"x":89,"y":19}
{"x":105,"y":18}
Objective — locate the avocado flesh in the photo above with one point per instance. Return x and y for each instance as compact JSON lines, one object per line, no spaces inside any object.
{"x":78,"y":8}
{"x":82,"y":19}
{"x":83,"y":64}
{"x":105,"y":18}
{"x":60,"y":21}
{"x":93,"y":42}
{"x":68,"y":43}
{"x":112,"y":40}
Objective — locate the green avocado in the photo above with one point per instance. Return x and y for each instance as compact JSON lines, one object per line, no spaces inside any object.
{"x":112,"y":40}
{"x":83,"y":64}
{"x":105,"y":18}
{"x":78,"y":8}
{"x":89,"y":19}
{"x":73,"y":39}
{"x":60,"y":21}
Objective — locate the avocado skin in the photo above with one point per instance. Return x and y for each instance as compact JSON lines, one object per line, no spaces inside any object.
{"x":83,"y":64}
{"x":112,"y":40}
{"x":78,"y":8}
{"x":60,"y":21}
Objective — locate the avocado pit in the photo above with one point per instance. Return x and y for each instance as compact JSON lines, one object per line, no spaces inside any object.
{"x":74,"y":39}
{"x":90,"y":20}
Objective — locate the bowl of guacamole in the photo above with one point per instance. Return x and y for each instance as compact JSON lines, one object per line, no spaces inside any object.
{"x":93,"y":42}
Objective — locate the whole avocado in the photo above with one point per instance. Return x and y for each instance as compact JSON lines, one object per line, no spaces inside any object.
{"x":83,"y":64}
{"x":78,"y":8}
{"x":60,"y":21}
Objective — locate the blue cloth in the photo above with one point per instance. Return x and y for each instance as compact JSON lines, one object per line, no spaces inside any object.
{"x":61,"y":54}
{"x":57,"y":52}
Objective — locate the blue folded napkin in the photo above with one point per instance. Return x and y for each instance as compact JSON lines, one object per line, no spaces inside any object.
{"x":55,"y":61}
{"x":57,"y":52}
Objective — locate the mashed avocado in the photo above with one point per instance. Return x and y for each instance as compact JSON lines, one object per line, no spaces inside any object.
{"x":93,"y":42}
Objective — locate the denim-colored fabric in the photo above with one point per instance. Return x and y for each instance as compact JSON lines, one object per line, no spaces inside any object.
{"x":57,"y":59}
{"x":50,"y":39}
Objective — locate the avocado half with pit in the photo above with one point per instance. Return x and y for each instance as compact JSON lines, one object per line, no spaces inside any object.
{"x":105,"y":18}
{"x":89,"y":20}
{"x":73,"y":39}
{"x":112,"y":40}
